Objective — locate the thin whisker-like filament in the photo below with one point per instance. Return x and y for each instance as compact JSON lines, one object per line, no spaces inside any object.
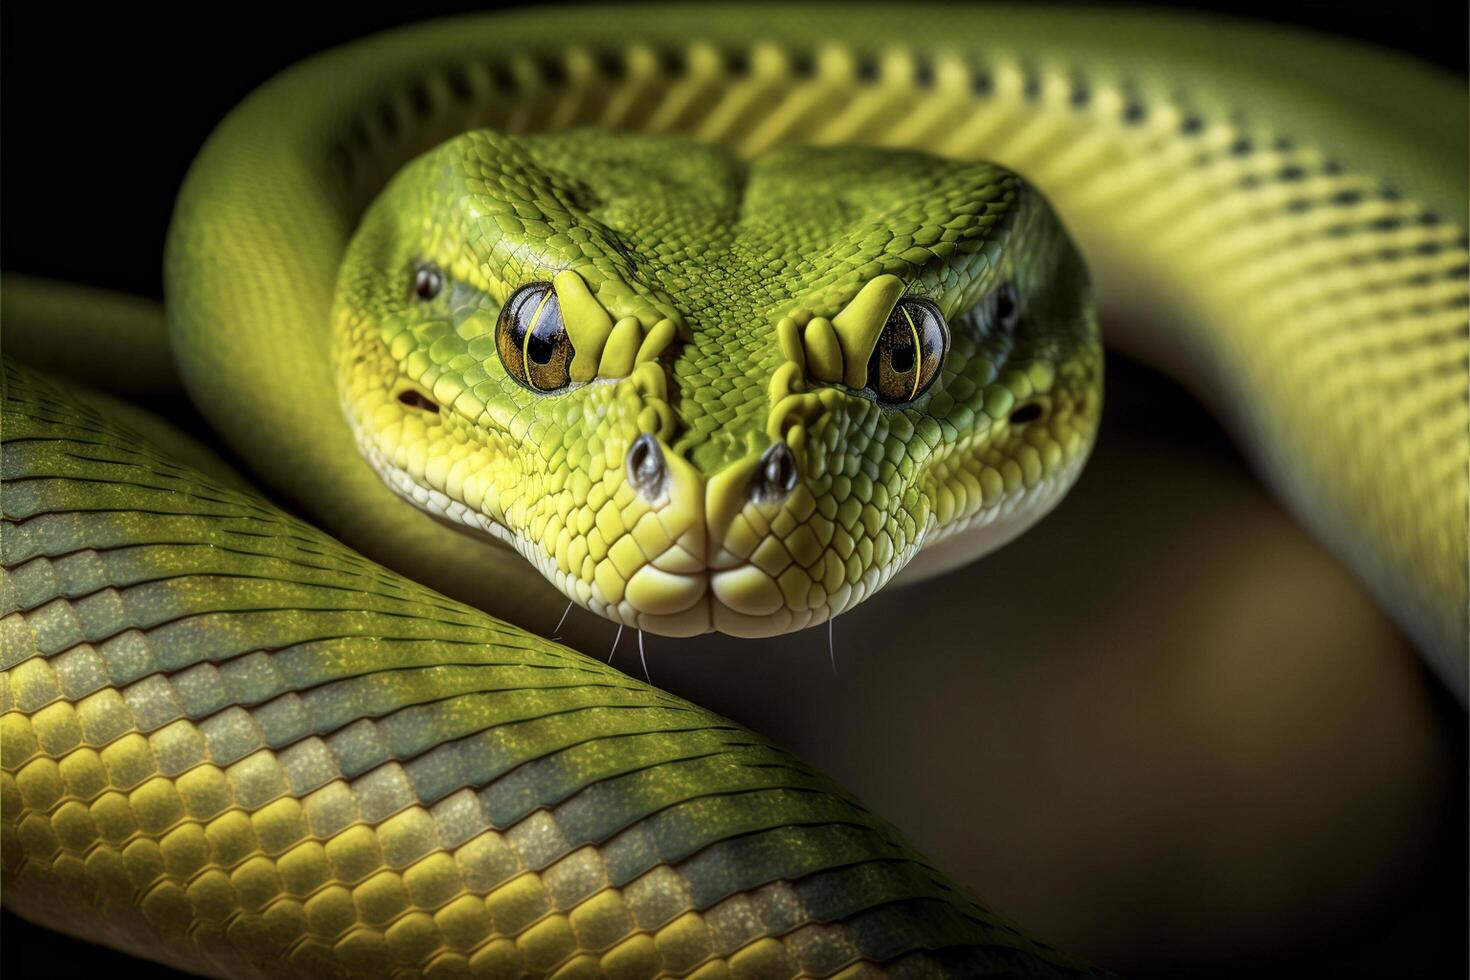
{"x":560,"y":622}
{"x":831,"y":647}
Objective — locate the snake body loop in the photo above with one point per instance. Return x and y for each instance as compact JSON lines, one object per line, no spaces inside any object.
{"x":235,"y":746}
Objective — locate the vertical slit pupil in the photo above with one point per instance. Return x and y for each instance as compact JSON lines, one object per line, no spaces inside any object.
{"x":902,"y":359}
{"x":540,"y":349}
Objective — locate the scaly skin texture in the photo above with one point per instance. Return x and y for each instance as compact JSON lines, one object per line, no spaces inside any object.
{"x":1277,"y":219}
{"x":765,"y":267}
{"x":233,"y":745}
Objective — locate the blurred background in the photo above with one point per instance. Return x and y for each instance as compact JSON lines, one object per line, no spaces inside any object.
{"x":1164,"y":729}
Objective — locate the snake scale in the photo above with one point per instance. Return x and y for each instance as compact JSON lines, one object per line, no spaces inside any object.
{"x":722,"y":320}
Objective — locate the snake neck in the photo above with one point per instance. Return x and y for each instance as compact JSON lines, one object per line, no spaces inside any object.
{"x":1279,"y":220}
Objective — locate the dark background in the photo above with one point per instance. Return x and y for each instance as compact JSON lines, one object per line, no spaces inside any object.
{"x":111,"y":103}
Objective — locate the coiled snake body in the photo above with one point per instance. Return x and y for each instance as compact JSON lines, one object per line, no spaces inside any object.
{"x":732,"y":383}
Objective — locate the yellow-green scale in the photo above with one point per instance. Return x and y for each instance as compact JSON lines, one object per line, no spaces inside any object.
{"x":1282,"y":221}
{"x":277,"y":756}
{"x":1139,"y":131}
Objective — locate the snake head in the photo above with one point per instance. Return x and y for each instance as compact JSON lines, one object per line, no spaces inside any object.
{"x":704,"y":393}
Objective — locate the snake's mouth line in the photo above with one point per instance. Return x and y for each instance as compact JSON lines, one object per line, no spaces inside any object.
{"x":690,"y":588}
{"x":704,"y":581}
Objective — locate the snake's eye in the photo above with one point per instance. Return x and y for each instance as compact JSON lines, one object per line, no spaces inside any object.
{"x":427,"y":281}
{"x":1005,"y":307}
{"x":909,"y":352}
{"x":532,"y":338}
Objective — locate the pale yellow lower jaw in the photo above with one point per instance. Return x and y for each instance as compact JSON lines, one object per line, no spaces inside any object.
{"x":713,"y":615}
{"x":736,"y":595}
{"x":728,"y":564}
{"x":745,"y":592}
{"x":735,"y":567}
{"x":743,"y":601}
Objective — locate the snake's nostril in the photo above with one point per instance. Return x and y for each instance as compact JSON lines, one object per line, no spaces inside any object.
{"x":776,"y":476}
{"x":646,"y":468}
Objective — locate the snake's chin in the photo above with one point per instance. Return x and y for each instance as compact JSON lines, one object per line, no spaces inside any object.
{"x":743,"y":600}
{"x":748,"y":599}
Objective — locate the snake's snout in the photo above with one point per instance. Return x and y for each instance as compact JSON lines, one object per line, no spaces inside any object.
{"x":775,"y":475}
{"x":648,"y":472}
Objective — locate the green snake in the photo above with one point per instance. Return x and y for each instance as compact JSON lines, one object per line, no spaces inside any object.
{"x":720,"y":320}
